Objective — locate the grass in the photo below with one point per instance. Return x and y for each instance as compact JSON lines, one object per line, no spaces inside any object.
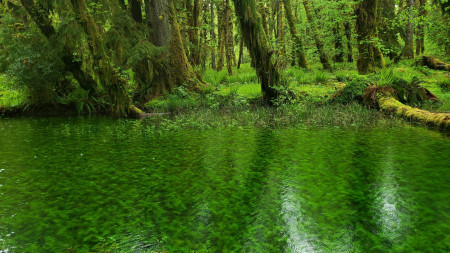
{"x":304,"y":115}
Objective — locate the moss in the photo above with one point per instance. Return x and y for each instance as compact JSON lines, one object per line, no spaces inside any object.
{"x":434,"y":63}
{"x":351,"y":92}
{"x":391,"y":105}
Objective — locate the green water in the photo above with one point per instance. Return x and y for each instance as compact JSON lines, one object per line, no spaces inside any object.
{"x":116,"y":186}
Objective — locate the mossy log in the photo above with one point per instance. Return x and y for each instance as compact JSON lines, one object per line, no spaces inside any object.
{"x":391,"y":105}
{"x":434,"y":63}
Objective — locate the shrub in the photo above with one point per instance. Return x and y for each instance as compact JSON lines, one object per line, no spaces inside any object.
{"x":353,"y":91}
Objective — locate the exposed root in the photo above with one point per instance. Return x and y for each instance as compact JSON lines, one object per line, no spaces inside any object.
{"x":391,"y":105}
{"x":434,"y":63}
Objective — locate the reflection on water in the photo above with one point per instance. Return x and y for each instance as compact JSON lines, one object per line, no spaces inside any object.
{"x":104,"y":185}
{"x":291,"y":211}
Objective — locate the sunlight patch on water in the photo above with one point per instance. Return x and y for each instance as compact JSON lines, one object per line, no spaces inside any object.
{"x":291,"y":211}
{"x":388,"y":201}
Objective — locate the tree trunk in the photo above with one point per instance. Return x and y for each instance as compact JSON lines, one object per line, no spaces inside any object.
{"x":166,"y":33}
{"x":408,"y":50}
{"x":136,"y":10}
{"x":366,"y":28}
{"x":114,"y":85}
{"x":241,"y":52}
{"x":193,"y":33}
{"x":338,"y":47}
{"x":319,"y":43}
{"x":256,"y":41}
{"x":281,"y":49}
{"x":221,"y":35}
{"x":299,"y":52}
{"x":263,"y":10}
{"x":213,"y":36}
{"x":43,"y":22}
{"x":348,"y":34}
{"x":229,"y":44}
{"x":420,"y":37}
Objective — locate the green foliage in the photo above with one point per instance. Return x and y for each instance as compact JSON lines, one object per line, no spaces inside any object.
{"x":31,"y":63}
{"x":445,"y":85}
{"x":438,"y":31}
{"x":321,"y":77}
{"x":10,"y":96}
{"x":353,"y":91}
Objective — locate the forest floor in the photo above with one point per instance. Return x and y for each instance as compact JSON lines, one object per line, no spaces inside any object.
{"x":236,"y":100}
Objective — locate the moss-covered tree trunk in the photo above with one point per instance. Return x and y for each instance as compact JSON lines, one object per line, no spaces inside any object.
{"x":299,"y":51}
{"x":420,"y":34}
{"x":241,"y":52}
{"x":315,"y":32}
{"x":221,"y":34}
{"x":166,"y":33}
{"x":256,"y":41}
{"x":229,"y":43}
{"x":408,"y":50}
{"x":366,"y":28}
{"x":338,"y":46}
{"x":114,"y":85}
{"x":43,"y":22}
{"x":193,"y":33}
{"x":213,"y":35}
{"x":264,"y":12}
{"x":281,"y":48}
{"x":387,"y":27}
{"x":348,"y":35}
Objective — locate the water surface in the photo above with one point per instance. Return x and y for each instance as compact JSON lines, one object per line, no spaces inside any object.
{"x":107,"y":185}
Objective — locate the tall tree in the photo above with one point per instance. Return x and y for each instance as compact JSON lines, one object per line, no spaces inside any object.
{"x":104,"y":70}
{"x":166,"y":33}
{"x":315,"y":32}
{"x":408,"y":50}
{"x":281,"y":49}
{"x":366,"y":28}
{"x":299,"y":51}
{"x":348,"y":35}
{"x":420,"y":36}
{"x":194,"y":23}
{"x":229,"y":42}
{"x":221,"y":34}
{"x":338,"y":45}
{"x":213,"y":35}
{"x":256,"y":41}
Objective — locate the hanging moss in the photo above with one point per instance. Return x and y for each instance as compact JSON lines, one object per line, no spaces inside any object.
{"x":256,"y":41}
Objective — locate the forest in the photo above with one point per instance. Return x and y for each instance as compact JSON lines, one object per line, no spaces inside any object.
{"x":137,"y":58}
{"x":224,"y":126}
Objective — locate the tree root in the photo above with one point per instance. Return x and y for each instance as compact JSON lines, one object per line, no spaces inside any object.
{"x":391,"y":105}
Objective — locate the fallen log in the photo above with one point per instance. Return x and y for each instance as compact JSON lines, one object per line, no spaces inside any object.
{"x":434,"y":63}
{"x":391,"y":105}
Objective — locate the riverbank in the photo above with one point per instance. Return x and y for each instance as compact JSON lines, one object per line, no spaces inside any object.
{"x":236,"y":100}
